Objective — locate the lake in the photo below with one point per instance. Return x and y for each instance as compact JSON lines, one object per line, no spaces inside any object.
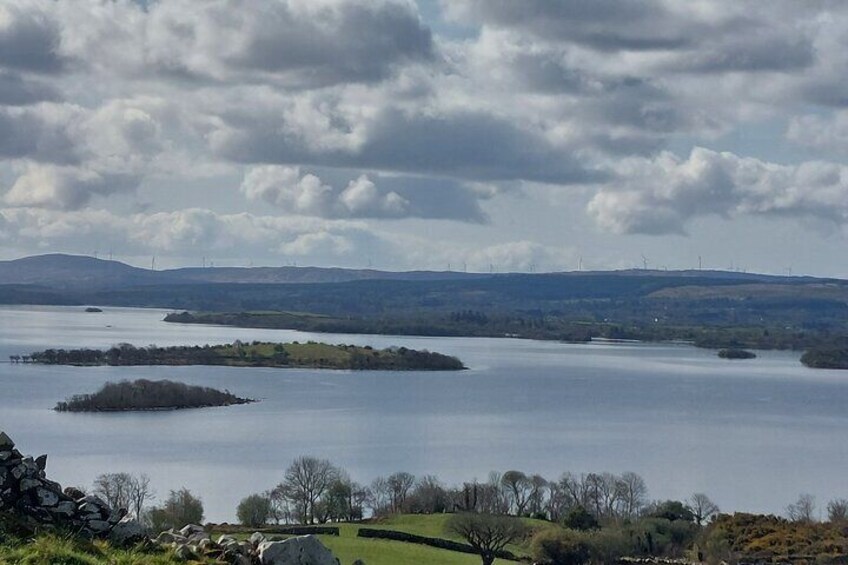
{"x":750,"y":434}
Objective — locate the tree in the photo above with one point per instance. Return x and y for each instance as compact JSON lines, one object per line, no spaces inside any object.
{"x":179,"y":509}
{"x":304,"y":482}
{"x":632,"y":492}
{"x":578,"y":518}
{"x":560,"y":547}
{"x":703,"y":508}
{"x":671,"y":510}
{"x":837,"y":510}
{"x":488,"y":534}
{"x":518,"y":488}
{"x":254,"y":510}
{"x":123,"y":490}
{"x":803,"y":509}
{"x":399,"y":485}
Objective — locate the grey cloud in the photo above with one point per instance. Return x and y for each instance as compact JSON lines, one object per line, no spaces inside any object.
{"x":298,"y":192}
{"x":29,"y":37}
{"x":40,"y":134}
{"x":65,"y":188}
{"x":661,"y":196}
{"x":16,"y":90}
{"x":293,"y":43}
{"x":465,"y":145}
{"x":348,"y":42}
{"x":602,"y":24}
{"x":747,"y":37}
{"x":186,"y":232}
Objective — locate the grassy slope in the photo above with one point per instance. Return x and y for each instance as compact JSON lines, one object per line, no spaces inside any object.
{"x":65,"y":551}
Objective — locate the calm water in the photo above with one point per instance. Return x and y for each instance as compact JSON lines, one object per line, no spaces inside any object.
{"x":752,"y":434}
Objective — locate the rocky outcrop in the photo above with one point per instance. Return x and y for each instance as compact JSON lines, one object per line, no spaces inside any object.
{"x":193,"y":542}
{"x":27,"y":494}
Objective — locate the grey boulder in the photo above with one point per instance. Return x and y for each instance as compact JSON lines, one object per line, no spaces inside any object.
{"x":302,"y":550}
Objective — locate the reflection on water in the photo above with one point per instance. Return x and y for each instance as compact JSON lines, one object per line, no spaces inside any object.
{"x":751,"y":434}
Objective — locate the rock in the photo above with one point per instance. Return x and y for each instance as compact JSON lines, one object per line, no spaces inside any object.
{"x":74,"y":493}
{"x":191,"y":529}
{"x":29,"y":484}
{"x":170,"y":537}
{"x":41,"y":462}
{"x":46,"y":497}
{"x":185,"y":553}
{"x":6,"y":443}
{"x":257,"y":538}
{"x":95,"y":501}
{"x":226,"y":540}
{"x":65,"y":508}
{"x":98,"y":526}
{"x":301,"y":550}
{"x":127,"y":531}
{"x":116,"y":515}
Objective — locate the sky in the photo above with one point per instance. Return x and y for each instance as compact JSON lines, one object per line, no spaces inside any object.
{"x":479,"y":135}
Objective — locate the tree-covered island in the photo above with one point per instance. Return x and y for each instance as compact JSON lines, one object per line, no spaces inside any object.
{"x":826,"y":357}
{"x":257,"y":354}
{"x":143,"y":394}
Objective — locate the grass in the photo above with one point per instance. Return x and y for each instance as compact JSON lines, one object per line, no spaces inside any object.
{"x":60,"y":550}
{"x":347,"y":547}
{"x":433,"y":525}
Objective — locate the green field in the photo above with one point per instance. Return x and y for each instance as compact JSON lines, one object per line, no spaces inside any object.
{"x":347,"y":547}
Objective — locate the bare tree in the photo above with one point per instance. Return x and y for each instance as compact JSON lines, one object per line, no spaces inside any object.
{"x":486,"y":533}
{"x":536,"y":500}
{"x":703,"y":508}
{"x":380,"y":496}
{"x":429,"y":495}
{"x":399,"y":486}
{"x":114,"y":488}
{"x":803,"y":509}
{"x":518,"y":487}
{"x":633,"y":494}
{"x":306,"y":479}
{"x":123,"y":490}
{"x":837,"y":510}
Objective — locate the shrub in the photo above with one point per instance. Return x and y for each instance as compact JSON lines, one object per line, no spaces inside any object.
{"x":560,"y":547}
{"x":254,"y":510}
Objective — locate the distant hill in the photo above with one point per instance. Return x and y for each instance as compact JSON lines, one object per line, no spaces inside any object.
{"x":428,"y":299}
{"x":61,"y":271}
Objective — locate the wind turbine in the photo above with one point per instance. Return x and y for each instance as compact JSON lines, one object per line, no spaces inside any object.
{"x":644,"y":262}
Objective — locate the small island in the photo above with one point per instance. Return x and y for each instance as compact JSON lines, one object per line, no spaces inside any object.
{"x":144,"y":395}
{"x":257,"y":354}
{"x":834,"y":357}
{"x":736,"y":353}
{"x":93,"y":310}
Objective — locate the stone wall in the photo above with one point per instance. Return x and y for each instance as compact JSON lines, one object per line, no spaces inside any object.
{"x":32,"y":498}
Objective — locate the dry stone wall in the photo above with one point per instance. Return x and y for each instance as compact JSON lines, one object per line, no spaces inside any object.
{"x":27,"y":494}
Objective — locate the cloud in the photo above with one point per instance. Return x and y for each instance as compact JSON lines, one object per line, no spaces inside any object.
{"x":716,"y":36}
{"x":30,"y":37}
{"x":297,"y":43}
{"x":468,"y":145}
{"x":16,"y":90}
{"x":659,"y":196}
{"x":65,"y":188}
{"x":391,"y":197}
{"x":189,"y":233}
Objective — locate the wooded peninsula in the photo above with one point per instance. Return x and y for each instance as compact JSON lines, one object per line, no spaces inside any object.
{"x":256,"y":354}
